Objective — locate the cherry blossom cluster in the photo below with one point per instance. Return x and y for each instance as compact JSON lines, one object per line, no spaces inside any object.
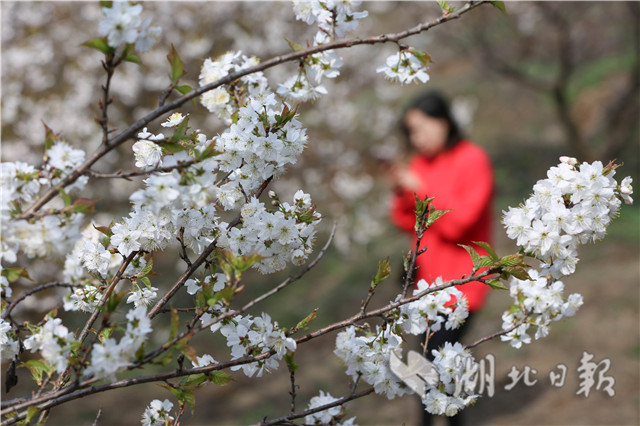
{"x":264,"y":139}
{"x":90,"y":256}
{"x":225,"y":100}
{"x":53,"y":341}
{"x":335,"y":19}
{"x":331,"y":415}
{"x":110,"y":357}
{"x":281,"y":236}
{"x":448,"y":306}
{"x":367,"y":357}
{"x":573,"y":206}
{"x":407,"y":66}
{"x":21,"y":185}
{"x":253,"y":336}
{"x":539,"y":303}
{"x":158,"y":413}
{"x":8,"y":342}
{"x":454,"y":389}
{"x":122,"y":24}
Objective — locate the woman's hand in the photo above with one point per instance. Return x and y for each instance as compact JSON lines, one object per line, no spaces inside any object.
{"x":403,"y":178}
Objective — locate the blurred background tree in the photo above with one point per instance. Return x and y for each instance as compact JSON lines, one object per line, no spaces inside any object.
{"x":549,"y":79}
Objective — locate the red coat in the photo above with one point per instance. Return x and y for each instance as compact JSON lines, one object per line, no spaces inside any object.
{"x":460,"y":179}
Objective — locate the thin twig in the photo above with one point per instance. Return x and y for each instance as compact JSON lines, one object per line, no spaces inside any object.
{"x":411,"y":268}
{"x":109,"y":66}
{"x":26,"y":294}
{"x":95,"y":421}
{"x":292,"y":392}
{"x":106,"y":295}
{"x":494,"y":335}
{"x":335,"y":403}
{"x":127,"y":175}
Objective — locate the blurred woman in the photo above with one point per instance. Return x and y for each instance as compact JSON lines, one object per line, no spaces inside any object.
{"x":459,"y":175}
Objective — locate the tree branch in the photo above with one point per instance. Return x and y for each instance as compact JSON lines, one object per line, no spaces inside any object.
{"x":75,"y":390}
{"x":341,"y":401}
{"x":130,"y":131}
{"x":120,"y":175}
{"x":26,"y":294}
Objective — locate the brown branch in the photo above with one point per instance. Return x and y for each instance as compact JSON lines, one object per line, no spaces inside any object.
{"x":74,"y":391}
{"x":130,"y":131}
{"x":341,"y":401}
{"x":497,"y":334}
{"x":106,"y":295}
{"x":109,"y":66}
{"x":26,"y":294}
{"x":121,"y":175}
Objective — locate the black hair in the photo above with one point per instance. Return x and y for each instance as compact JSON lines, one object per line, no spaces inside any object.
{"x":435,"y":105}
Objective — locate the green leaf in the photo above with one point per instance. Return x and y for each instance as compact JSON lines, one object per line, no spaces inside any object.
{"x":166,"y":358}
{"x":49,"y":138}
{"x":241,"y":263}
{"x":475,"y":257}
{"x":106,"y":3}
{"x":500,"y":6}
{"x":65,"y":197}
{"x":38,"y":368}
{"x":302,"y":325}
{"x":180,"y":133}
{"x":422,"y":206}
{"x":384,"y":270}
{"x":488,"y":248}
{"x":444,"y":5}
{"x":106,"y":230}
{"x":147,"y":269}
{"x":105,"y":334}
{"x":219,"y":378}
{"x":194,"y":380}
{"x":209,"y":151}
{"x":99,"y":44}
{"x":114,"y":301}
{"x":485,"y":262}
{"x":423,"y":57}
{"x":512,"y":260}
{"x":175,"y":323}
{"x":517,"y":272}
{"x":290,"y":359}
{"x":13,"y":273}
{"x":83,"y":205}
{"x":183,"y":346}
{"x":172,"y":147}
{"x":224,"y":294}
{"x":184,"y":395}
{"x":177,"y":66}
{"x":496,"y":284}
{"x":132,"y":58}
{"x":31,"y":413}
{"x":435,"y":215}
{"x":140,"y":352}
{"x":146,"y":281}
{"x":184,"y":89}
{"x":294,"y":46}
